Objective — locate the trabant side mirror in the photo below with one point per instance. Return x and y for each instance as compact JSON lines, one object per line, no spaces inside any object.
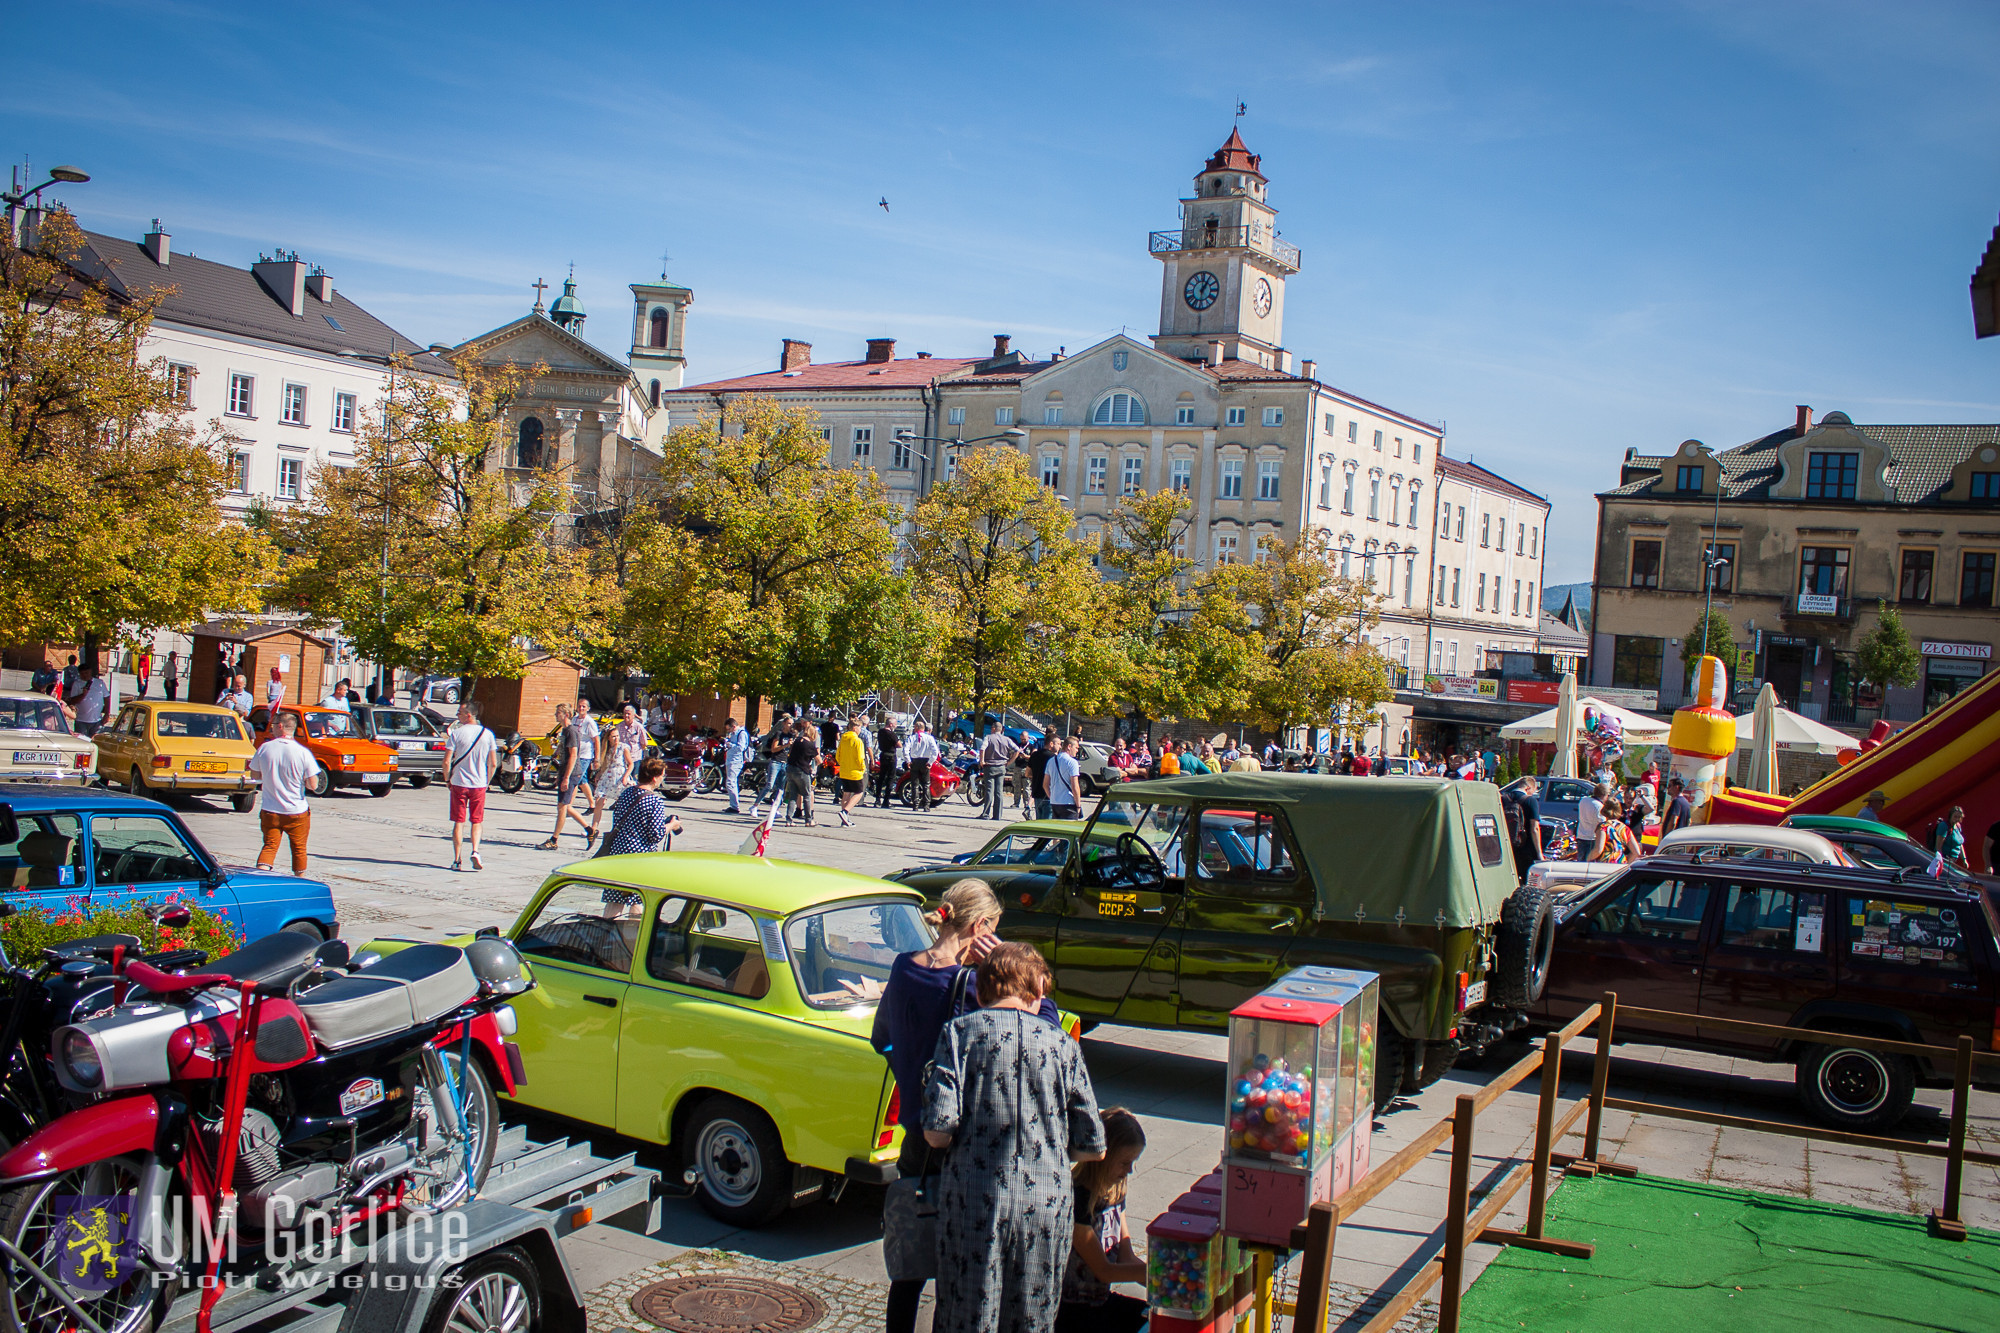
{"x":175,"y":918}
{"x":486,"y":933}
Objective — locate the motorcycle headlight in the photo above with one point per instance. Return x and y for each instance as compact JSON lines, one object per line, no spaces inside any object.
{"x":80,"y":1058}
{"x":509,"y":1022}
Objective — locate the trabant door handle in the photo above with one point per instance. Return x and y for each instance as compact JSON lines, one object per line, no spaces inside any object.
{"x":604,"y":1000}
{"x":1152,"y":911}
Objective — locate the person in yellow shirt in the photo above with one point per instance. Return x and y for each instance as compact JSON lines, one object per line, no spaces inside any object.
{"x":850,"y":759}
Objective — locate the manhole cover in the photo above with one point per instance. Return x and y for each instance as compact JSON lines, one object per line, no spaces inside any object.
{"x":715,"y":1302}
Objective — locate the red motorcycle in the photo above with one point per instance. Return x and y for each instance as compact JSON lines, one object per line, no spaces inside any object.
{"x":916,"y":794}
{"x":226,"y":1113}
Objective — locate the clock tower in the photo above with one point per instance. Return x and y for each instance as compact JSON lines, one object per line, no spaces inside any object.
{"x":1224,"y":268}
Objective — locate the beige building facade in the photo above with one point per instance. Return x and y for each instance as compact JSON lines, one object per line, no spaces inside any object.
{"x":1487,"y":574}
{"x":1807,"y":530}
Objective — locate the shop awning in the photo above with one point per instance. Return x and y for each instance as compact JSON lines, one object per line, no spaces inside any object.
{"x":1541,"y":728}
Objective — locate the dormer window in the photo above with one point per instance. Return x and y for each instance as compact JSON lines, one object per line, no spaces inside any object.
{"x":1688,"y":479}
{"x":1831,"y":476}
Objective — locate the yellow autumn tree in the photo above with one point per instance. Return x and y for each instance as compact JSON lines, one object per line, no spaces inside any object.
{"x":430,"y":555}
{"x":111,"y":516}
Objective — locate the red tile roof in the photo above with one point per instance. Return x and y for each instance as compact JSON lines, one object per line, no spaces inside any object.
{"x":901,"y":373}
{"x":1235,"y":155}
{"x":1474,"y":475}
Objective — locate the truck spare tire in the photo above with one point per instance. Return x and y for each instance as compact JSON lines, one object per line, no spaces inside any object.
{"x":1527,"y":938}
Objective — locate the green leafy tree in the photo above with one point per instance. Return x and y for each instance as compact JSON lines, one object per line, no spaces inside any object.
{"x":111,"y":517}
{"x":1179,"y":662}
{"x":1008,"y":588}
{"x":771,"y":570}
{"x":1305,"y":621}
{"x":479,"y":567}
{"x":1711,"y":637}
{"x":1885,"y":655}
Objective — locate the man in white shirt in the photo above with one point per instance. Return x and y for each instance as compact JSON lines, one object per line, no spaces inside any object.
{"x":236,"y":695}
{"x":736,"y":745}
{"x":284,"y":767}
{"x":1589,"y":814}
{"x":340,"y":698}
{"x":1060,"y":780}
{"x":468,"y":770}
{"x":921,"y":749}
{"x":94,"y":698}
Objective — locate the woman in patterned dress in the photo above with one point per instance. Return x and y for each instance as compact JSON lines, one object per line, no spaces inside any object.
{"x":1009,"y":1095}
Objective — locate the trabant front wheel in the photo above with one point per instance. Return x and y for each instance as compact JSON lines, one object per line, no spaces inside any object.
{"x":744,"y":1178}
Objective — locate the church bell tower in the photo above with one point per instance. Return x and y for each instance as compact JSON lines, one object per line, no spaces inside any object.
{"x":1224,"y":267}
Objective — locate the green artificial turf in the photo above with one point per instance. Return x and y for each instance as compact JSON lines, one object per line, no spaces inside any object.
{"x":1676,"y":1256}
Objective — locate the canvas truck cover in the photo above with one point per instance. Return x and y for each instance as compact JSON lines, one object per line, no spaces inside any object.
{"x":1375,"y":846}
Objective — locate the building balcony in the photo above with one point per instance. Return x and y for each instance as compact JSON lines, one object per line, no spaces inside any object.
{"x":1819,"y":606}
{"x":1259,"y":239}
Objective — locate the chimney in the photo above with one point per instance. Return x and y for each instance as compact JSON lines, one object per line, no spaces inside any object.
{"x":923,"y":356}
{"x":1281,"y":361}
{"x":1805,"y":420}
{"x":1000,"y":342}
{"x":1309,"y":369}
{"x":285,"y":278}
{"x":795,"y":355}
{"x":881,"y":349}
{"x":319,"y":285}
{"x":158,"y":245}
{"x":1215,"y":352}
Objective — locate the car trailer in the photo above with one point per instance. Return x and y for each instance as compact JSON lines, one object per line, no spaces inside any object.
{"x":509,"y":1255}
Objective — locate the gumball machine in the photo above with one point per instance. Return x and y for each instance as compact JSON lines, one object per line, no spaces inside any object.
{"x":1184,"y":1272}
{"x":1294,"y":1099}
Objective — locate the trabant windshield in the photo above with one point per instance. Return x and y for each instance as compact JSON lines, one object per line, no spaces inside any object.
{"x":841,"y":954}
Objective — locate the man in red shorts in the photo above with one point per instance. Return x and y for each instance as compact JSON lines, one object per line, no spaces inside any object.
{"x":468,"y":770}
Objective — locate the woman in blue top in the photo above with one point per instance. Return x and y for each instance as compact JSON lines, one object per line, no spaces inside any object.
{"x":925,"y":991}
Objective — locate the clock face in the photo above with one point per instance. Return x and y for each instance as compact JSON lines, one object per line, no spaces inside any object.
{"x":1260,"y":298}
{"x":1201,"y":290}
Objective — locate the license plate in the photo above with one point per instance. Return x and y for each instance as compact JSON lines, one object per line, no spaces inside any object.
{"x":37,"y":757}
{"x":207,"y":766}
{"x":374,"y":777}
{"x":1475,"y":995}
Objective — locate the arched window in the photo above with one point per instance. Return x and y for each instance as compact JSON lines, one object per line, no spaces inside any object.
{"x":1119,"y":409}
{"x":659,"y":334}
{"x":528,"y":446}
{"x":653,"y":393}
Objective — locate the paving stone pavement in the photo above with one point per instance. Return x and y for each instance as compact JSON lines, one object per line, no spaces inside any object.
{"x":388,"y":861}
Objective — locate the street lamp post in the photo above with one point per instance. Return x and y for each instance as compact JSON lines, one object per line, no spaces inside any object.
{"x":1711,"y":562}
{"x":910,"y":437}
{"x":16,"y":197}
{"x":388,"y":447}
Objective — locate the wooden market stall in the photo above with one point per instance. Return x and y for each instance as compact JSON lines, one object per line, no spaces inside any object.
{"x":252,"y":650}
{"x":528,"y":705}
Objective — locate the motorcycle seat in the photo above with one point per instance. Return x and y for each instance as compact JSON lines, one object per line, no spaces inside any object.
{"x":274,"y":960}
{"x":95,"y":946}
{"x":418,"y":985}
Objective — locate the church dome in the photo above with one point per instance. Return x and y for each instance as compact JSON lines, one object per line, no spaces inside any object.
{"x":566,"y":310}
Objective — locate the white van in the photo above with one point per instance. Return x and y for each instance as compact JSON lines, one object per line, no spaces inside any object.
{"x":1704,"y":842}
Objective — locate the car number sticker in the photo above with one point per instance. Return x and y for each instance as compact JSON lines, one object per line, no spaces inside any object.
{"x":37,"y":757}
{"x":361,"y":1093}
{"x":1475,"y":995}
{"x":1118,"y":904}
{"x":1805,"y":936}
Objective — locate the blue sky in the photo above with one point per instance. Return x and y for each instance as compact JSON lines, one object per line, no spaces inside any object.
{"x":1561,"y":229}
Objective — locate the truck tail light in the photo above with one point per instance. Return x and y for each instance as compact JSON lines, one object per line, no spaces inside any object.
{"x":890,"y":1117}
{"x":159,"y":761}
{"x":1464,"y":987}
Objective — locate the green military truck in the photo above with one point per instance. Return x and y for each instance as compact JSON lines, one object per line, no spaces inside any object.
{"x":1212,"y":886}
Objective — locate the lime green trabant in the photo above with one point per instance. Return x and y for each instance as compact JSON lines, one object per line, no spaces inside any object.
{"x":720,"y":1004}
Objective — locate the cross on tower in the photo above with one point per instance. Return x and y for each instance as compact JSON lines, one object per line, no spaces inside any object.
{"x":665,"y":259}
{"x":539,"y":287}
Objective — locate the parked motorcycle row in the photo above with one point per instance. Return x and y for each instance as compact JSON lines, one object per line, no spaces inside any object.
{"x":168,"y":1120}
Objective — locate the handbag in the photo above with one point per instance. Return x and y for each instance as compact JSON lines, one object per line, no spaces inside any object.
{"x":909,"y":1209}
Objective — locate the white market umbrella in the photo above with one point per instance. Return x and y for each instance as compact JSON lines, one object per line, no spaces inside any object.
{"x":1795,"y":733}
{"x":1757,"y":768}
{"x":1565,"y":728}
{"x":1638,"y":729}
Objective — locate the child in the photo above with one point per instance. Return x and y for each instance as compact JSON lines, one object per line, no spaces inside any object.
{"x":1101,"y":1248}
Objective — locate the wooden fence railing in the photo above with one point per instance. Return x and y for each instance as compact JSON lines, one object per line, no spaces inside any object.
{"x":1462,"y":1226}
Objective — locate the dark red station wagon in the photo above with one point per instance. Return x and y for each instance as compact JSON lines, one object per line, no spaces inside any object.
{"x":1896,"y":955}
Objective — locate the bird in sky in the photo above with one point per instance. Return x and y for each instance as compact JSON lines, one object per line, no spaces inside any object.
{"x":884,"y":202}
